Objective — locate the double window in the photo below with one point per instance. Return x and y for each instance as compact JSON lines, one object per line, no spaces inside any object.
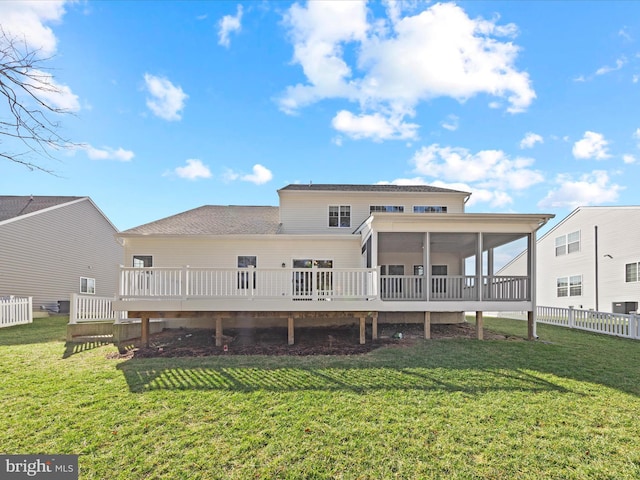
{"x":569,"y":243}
{"x":88,"y":285}
{"x":142,"y":261}
{"x":632,"y":272}
{"x":569,"y":286}
{"x":429,"y":209}
{"x":339,"y":216}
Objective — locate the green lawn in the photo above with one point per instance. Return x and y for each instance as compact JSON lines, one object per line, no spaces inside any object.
{"x":566,"y":406}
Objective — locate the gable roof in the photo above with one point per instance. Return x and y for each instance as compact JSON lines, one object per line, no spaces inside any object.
{"x":330,"y":187}
{"x":215,"y":220}
{"x":12,"y":206}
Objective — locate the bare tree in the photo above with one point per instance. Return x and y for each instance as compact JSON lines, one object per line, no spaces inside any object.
{"x":28,"y":89}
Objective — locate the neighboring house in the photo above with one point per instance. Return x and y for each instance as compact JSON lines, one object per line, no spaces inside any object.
{"x":589,"y":260}
{"x":53,"y":246}
{"x":331,"y":253}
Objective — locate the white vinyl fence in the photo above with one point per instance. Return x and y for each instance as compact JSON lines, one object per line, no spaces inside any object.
{"x":15,"y":311}
{"x":89,"y":308}
{"x":617,"y":324}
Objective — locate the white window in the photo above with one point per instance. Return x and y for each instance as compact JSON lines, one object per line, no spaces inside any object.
{"x":245,"y":279}
{"x":568,"y":243}
{"x":429,"y":209}
{"x":340,"y":216}
{"x":569,"y":286}
{"x":142,"y":261}
{"x":632,"y":272}
{"x":87,"y":285}
{"x":386,"y":208}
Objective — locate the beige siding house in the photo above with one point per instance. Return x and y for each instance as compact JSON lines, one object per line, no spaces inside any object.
{"x":52,"y":246}
{"x":327,"y":253}
{"x":590,"y":260}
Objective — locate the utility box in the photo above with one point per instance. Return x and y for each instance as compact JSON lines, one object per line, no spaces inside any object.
{"x":624,"y":307}
{"x":64,"y":306}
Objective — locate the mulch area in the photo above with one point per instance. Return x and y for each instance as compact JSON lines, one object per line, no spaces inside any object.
{"x":341,"y":340}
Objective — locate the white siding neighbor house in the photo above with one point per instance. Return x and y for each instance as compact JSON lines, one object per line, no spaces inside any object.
{"x":53,"y":246}
{"x":327,"y":253}
{"x":589,"y":260}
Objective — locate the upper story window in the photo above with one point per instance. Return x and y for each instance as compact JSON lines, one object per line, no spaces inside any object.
{"x":632,"y":272}
{"x":386,"y":208}
{"x":429,"y":209}
{"x":87,"y":285}
{"x":142,"y":261}
{"x":569,"y":243}
{"x":569,"y":286}
{"x":339,"y":216}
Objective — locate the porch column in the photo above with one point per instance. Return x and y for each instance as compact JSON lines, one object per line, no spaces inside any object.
{"x":290,"y":337}
{"x":490,"y":262}
{"x":479,"y":325}
{"x":426,"y":260}
{"x":531,"y":333}
{"x":479,"y":268}
{"x":363,"y":324}
{"x":144,"y":330}
{"x":374,"y":325}
{"x":218,"y":331}
{"x":427,"y":325}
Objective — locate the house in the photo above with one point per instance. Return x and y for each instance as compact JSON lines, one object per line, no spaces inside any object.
{"x":327,"y":253}
{"x":52,"y":246}
{"x":589,"y":260}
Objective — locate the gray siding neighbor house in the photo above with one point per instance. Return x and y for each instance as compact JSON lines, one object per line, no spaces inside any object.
{"x":53,"y":246}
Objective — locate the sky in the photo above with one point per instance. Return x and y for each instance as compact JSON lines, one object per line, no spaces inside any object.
{"x":532,"y":106}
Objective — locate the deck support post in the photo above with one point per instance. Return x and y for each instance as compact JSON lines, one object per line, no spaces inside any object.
{"x":144,"y":330}
{"x":363,"y":325}
{"x":530,"y":326}
{"x":290,"y":331}
{"x":479,"y":325}
{"x":218,"y":331}
{"x":427,"y":325}
{"x":374,"y":326}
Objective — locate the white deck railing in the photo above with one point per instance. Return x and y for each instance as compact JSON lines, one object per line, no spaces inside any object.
{"x":89,"y":308}
{"x":300,"y":283}
{"x":15,"y":311}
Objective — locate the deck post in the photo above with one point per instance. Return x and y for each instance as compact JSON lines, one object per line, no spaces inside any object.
{"x":374,"y":326}
{"x":290,"y":330}
{"x":144,"y":330}
{"x":218,"y":331}
{"x":363,"y":325}
{"x":530,"y":326}
{"x":479,"y":325}
{"x":427,"y":325}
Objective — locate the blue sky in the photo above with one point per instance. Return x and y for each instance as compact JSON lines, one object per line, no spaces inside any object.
{"x":531,"y":106}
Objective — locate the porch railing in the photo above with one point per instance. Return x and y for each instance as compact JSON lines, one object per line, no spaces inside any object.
{"x":314,"y":284}
{"x":91,"y":308}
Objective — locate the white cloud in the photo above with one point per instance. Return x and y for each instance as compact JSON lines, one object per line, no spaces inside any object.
{"x":376,"y":126}
{"x":636,"y":134}
{"x":608,"y":69}
{"x":54,"y":94}
{"x":624,"y":33}
{"x":592,"y":188}
{"x":167,"y":100}
{"x":466,"y":56}
{"x":108,"y":153}
{"x":530,"y":139}
{"x":227,"y":25}
{"x":628,"y":158}
{"x":259,"y":176}
{"x":193,"y":170}
{"x":28,"y":21}
{"x":450,"y":123}
{"x":488,"y":168}
{"x":592,"y":146}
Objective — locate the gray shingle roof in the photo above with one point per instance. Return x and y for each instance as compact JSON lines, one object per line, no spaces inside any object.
{"x":330,"y":187}
{"x":15,"y":206}
{"x":215,"y":220}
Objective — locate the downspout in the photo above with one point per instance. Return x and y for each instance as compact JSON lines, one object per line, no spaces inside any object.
{"x":595,"y":229}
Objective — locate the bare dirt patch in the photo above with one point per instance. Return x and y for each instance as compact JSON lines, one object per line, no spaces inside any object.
{"x":342,"y":340}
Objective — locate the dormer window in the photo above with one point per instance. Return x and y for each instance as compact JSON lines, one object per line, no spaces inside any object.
{"x":340,"y":216}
